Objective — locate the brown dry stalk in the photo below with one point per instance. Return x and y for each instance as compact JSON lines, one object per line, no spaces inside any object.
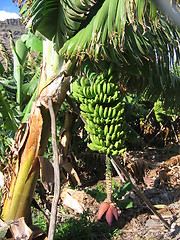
{"x":52,"y":224}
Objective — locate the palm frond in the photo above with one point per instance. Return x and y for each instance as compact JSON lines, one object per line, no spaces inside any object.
{"x":136,"y":37}
{"x":59,"y":19}
{"x":107,"y":28}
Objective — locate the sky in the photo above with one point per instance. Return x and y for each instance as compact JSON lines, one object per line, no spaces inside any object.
{"x":8,"y":10}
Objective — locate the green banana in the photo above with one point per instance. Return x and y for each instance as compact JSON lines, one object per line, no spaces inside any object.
{"x":108,"y":121}
{"x":108,"y":143}
{"x":84,"y":92}
{"x":96,"y":99}
{"x":83,"y":81}
{"x":94,"y":88}
{"x":88,"y":92}
{"x":105,"y":115}
{"x":114,"y":152}
{"x":111,"y":129}
{"x":91,"y":108}
{"x":108,"y":140}
{"x":113,"y":136}
{"x":91,"y":124}
{"x":106,"y":128}
{"x":98,"y":88}
{"x":95,"y":139}
{"x":97,"y":148}
{"x":76,"y":95}
{"x":101,"y":96}
{"x":120,"y":113}
{"x":115,"y":95}
{"x":99,"y":79}
{"x":96,"y":110}
{"x":113,"y":114}
{"x":118,"y":144}
{"x":104,"y":87}
{"x":100,"y":131}
{"x":109,"y":112}
{"x":108,"y":151}
{"x":101,"y":111}
{"x":108,"y":88}
{"x":85,"y":108}
{"x":116,"y":128}
{"x":89,"y":130}
{"x":105,"y":97}
{"x":77,"y":88}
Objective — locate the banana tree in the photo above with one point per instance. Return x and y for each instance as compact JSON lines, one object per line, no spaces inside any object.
{"x":133,"y":35}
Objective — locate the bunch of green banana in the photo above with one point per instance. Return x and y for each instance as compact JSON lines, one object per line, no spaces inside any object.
{"x":102,"y":107}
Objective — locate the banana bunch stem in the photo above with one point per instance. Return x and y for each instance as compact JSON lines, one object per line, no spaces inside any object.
{"x":108,"y":178}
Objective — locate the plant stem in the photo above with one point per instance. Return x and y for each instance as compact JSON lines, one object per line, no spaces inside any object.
{"x":108,"y":179}
{"x":56,"y":174}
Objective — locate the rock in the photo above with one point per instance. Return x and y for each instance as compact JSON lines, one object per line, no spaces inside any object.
{"x":153,"y":224}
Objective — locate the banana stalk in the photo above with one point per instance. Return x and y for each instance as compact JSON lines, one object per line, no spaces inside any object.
{"x":53,"y":85}
{"x":108,"y":179}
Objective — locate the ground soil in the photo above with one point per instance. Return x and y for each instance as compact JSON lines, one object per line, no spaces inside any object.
{"x":157,"y":174}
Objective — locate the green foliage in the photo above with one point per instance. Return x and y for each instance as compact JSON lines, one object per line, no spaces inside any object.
{"x":38,"y":219}
{"x":161,"y":112}
{"x":56,"y":20}
{"x":81,"y":229}
{"x":1,"y":69}
{"x":33,"y":42}
{"x":18,"y":88}
{"x":118,"y":193}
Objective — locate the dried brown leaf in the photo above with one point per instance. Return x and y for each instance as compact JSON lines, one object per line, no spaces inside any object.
{"x":38,"y":233}
{"x":71,"y":202}
{"x":20,"y":230}
{"x":68,"y":167}
{"x":46,"y":173}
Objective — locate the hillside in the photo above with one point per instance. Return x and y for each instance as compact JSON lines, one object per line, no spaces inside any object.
{"x":17,"y":29}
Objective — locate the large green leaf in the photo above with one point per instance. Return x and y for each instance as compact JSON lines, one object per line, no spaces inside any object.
{"x":57,"y":19}
{"x":136,"y":37}
{"x":32,"y":42}
{"x":120,"y":26}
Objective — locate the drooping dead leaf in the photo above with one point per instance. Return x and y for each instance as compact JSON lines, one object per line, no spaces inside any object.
{"x":33,"y":142}
{"x":46,"y":173}
{"x":63,"y":137}
{"x":20,"y":137}
{"x":138,"y":168}
{"x":20,"y":230}
{"x":68,"y":167}
{"x":38,"y":233}
{"x":70,"y":201}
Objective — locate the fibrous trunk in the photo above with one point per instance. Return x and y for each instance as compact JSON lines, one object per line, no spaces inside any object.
{"x":32,"y":143}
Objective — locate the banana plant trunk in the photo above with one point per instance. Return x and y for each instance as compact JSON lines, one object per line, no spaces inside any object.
{"x":52,"y":85}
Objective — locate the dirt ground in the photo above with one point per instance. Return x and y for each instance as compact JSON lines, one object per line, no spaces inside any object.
{"x":157,"y":174}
